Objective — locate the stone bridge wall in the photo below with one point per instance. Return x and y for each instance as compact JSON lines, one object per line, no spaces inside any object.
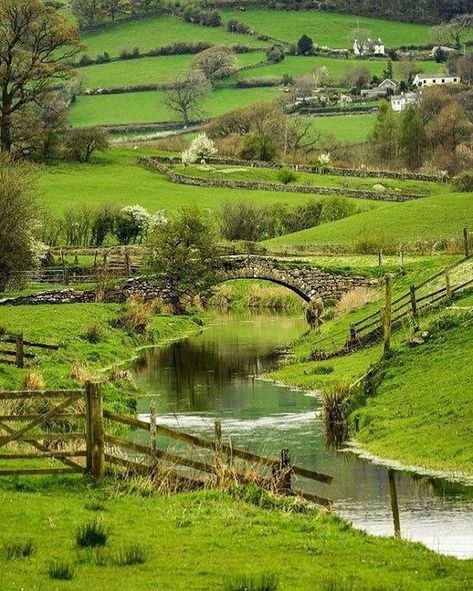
{"x":308,"y":282}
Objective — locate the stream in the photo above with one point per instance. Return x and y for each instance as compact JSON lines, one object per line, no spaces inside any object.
{"x":214,"y":375}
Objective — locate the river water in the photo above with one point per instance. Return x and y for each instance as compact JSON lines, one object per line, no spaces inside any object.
{"x":214,"y":375}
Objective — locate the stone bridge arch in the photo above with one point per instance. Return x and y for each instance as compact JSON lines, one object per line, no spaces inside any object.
{"x":309,"y":283}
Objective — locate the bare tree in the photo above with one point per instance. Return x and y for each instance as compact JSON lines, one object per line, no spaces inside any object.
{"x":37,"y":45}
{"x":185,"y":95}
{"x":215,"y":63}
{"x":453,"y":32}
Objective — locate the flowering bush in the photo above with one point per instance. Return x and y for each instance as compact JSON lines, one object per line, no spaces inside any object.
{"x":323,"y":159}
{"x":201,"y":148}
{"x":133,"y":222}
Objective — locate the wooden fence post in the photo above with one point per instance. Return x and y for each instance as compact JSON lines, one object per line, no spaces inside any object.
{"x":387,"y":316}
{"x":95,"y":434}
{"x":19,"y":351}
{"x":465,"y":241}
{"x":285,"y":470}
{"x":380,"y":258}
{"x":394,"y":503}
{"x":153,"y":429}
{"x":401,"y":260}
{"x":218,"y":452}
{"x":412,"y":289}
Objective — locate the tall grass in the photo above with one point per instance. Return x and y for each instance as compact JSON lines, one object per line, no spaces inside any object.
{"x":92,"y":534}
{"x":264,"y":582}
{"x":61,"y":570}
{"x":336,"y":408}
{"x":18,"y":549}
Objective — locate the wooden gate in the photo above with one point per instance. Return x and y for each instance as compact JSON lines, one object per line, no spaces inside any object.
{"x":55,"y":425}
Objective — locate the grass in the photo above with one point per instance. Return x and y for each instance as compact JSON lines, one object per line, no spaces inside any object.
{"x":302,"y":178}
{"x":422,"y":410}
{"x":14,"y":549}
{"x":329,"y":28}
{"x":92,"y":534}
{"x":115,"y":177}
{"x":150,"y":33}
{"x":61,"y":571}
{"x":148,"y":70}
{"x":299,"y":66}
{"x":147,"y":107}
{"x":299,"y":549}
{"x":439,"y":216}
{"x":352,"y":129}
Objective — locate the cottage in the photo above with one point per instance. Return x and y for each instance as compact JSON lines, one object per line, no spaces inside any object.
{"x":386,"y":88}
{"x":401,"y":102}
{"x":422,"y":80}
{"x":368,"y":47}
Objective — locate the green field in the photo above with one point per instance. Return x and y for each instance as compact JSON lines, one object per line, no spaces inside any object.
{"x":423,"y":410}
{"x":329,"y":29}
{"x":115,"y":177}
{"x":147,"y":107}
{"x":148,"y":70}
{"x":155,"y":32}
{"x":352,"y":129}
{"x":298,"y":66}
{"x":439,"y":216}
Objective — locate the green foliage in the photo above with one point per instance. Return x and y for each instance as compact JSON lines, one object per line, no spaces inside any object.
{"x":185,"y":251}
{"x":92,"y":534}
{"x":464,"y":182}
{"x":264,"y":582}
{"x":413,"y":139}
{"x":384,"y":139}
{"x":94,"y":334}
{"x":61,"y":570}
{"x":276,"y":54}
{"x":260,"y":148}
{"x":82,"y":143}
{"x":286,"y":176}
{"x":305,"y":45}
{"x":13,"y":549}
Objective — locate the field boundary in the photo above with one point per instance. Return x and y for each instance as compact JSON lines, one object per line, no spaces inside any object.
{"x":183,"y":179}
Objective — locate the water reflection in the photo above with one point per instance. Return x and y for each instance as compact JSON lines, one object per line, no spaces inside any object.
{"x":213,"y":375}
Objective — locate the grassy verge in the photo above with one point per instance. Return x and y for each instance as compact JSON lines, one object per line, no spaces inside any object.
{"x":198,"y":541}
{"x":421,"y":411}
{"x":71,"y":327}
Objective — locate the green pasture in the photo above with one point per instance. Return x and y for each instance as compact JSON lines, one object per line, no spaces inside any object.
{"x":353,"y":129}
{"x":304,"y":65}
{"x":116,"y":178}
{"x":147,"y":107}
{"x":148,"y":70}
{"x":154,"y":32}
{"x":270,"y":175}
{"x":443,"y":215}
{"x":329,"y":29}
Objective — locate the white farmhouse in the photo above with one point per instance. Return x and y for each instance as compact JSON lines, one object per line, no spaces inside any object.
{"x":386,"y":87}
{"x":369,"y":47}
{"x":422,"y":80}
{"x":400,"y":102}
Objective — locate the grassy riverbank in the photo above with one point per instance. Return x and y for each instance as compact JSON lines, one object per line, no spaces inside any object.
{"x":92,"y":337}
{"x":199,"y":541}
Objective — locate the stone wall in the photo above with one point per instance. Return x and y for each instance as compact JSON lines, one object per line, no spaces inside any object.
{"x":183,"y":179}
{"x":336,"y":171}
{"x":309,"y":282}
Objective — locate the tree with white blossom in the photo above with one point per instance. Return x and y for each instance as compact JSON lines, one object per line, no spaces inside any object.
{"x":201,"y":148}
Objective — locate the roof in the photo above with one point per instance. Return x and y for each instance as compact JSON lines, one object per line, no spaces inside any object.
{"x":405,"y":95}
{"x":433,"y":76}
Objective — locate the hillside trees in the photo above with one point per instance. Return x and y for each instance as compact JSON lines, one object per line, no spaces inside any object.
{"x":454,"y":31}
{"x":82,"y":143}
{"x":305,"y":45}
{"x":18,"y":221}
{"x":384,"y":140}
{"x":215,"y":63}
{"x":36,"y":48}
{"x":413,"y":139}
{"x":185,"y":95}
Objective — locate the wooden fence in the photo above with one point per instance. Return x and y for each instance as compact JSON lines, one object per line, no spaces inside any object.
{"x":98,"y":445}
{"x":409,"y":307}
{"x":15,"y":354}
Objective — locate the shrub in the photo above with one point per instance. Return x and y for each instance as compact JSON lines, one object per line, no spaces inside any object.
{"x":92,"y":534}
{"x":61,"y":570}
{"x":286,"y":176}
{"x":336,"y":409}
{"x":464,"y":181}
{"x":85,"y":60}
{"x":18,"y":549}
{"x":264,"y":582}
{"x":94,"y":334}
{"x":275,"y":54}
{"x":137,"y":315}
{"x":130,"y":555}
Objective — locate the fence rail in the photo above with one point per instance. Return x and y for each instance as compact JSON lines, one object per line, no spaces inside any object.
{"x":18,"y":351}
{"x":99,"y":443}
{"x":438,"y":288}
